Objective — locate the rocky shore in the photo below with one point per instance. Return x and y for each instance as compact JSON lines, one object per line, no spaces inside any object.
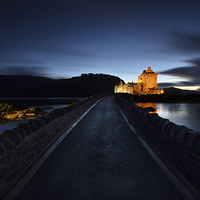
{"x":19,"y":111}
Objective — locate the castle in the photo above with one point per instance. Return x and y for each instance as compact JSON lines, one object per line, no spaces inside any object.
{"x":147,"y":84}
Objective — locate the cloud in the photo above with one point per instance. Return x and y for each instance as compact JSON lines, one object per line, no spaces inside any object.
{"x":73,"y":52}
{"x":192,"y":73}
{"x":20,"y":61}
{"x":178,"y":84}
{"x":184,"y":42}
{"x":187,"y":44}
{"x":18,"y":70}
{"x":54,"y":49}
{"x":165,"y":85}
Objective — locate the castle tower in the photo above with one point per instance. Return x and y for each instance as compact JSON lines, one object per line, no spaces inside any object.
{"x":119,"y":88}
{"x":148,"y":81}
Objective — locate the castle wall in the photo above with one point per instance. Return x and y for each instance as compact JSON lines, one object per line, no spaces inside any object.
{"x":119,"y":88}
{"x":147,"y":83}
{"x":129,"y":88}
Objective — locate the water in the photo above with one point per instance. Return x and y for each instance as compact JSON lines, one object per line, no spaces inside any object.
{"x":187,"y":114}
{"x":47,"y":104}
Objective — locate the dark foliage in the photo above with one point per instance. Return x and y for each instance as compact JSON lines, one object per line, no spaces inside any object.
{"x":31,"y":86}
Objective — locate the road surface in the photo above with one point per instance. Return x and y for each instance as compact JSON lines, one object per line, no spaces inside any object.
{"x":101,"y":158}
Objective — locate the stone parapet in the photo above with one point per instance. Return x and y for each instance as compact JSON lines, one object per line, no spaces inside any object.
{"x":178,"y":145}
{"x":21,"y":147}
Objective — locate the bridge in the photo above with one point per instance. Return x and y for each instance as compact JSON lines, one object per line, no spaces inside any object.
{"x":103,"y":156}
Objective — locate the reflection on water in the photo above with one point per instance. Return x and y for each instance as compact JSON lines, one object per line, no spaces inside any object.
{"x":146,"y":105}
{"x":187,"y":114}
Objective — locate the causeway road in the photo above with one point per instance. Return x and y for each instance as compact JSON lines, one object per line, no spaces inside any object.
{"x":101,"y":158}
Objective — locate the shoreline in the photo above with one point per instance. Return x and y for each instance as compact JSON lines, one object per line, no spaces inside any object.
{"x":19,"y":111}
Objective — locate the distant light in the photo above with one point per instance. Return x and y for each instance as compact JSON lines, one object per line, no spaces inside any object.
{"x":188,"y":87}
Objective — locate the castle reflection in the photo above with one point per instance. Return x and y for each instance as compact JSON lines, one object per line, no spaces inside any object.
{"x":146,"y":105}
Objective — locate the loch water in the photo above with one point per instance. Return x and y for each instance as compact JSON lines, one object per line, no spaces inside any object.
{"x":187,"y":114}
{"x":47,"y":104}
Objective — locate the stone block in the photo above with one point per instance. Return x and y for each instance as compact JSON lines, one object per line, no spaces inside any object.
{"x":184,"y":134}
{"x":13,"y":136}
{"x":39,"y":122}
{"x":49,"y":118}
{"x":174,"y":132}
{"x":164,"y":127}
{"x":161,"y":122}
{"x":33,"y":125}
{"x":157,"y":121}
{"x":170,"y":125}
{"x":153,"y":119}
{"x":26,"y":127}
{"x":21,"y":131}
{"x":46,"y":119}
{"x":62,"y":111}
{"x":6,"y":142}
{"x":57,"y":113}
{"x":148,"y":117}
{"x":193,"y":138}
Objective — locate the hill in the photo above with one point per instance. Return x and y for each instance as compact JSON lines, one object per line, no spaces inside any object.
{"x":31,"y":86}
{"x":177,"y":91}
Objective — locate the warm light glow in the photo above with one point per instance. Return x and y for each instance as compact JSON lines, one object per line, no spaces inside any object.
{"x":147,"y":84}
{"x":161,"y":108}
{"x":188,"y":87}
{"x":161,"y":91}
{"x":146,"y":105}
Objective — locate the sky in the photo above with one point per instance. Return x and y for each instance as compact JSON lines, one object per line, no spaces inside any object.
{"x":67,"y":38}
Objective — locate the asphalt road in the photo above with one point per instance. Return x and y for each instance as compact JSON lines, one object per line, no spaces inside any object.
{"x":100,"y":159}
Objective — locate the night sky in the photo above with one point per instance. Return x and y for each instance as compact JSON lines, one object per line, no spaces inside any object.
{"x":67,"y":38}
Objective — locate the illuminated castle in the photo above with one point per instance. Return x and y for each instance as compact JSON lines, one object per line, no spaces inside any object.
{"x":147,"y":84}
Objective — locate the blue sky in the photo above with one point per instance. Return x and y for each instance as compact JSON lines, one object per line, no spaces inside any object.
{"x":62,"y":39}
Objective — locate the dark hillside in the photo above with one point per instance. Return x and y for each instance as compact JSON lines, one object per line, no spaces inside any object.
{"x":19,"y":85}
{"x":31,"y":86}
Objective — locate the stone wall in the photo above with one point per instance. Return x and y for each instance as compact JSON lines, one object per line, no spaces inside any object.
{"x":22,"y":146}
{"x":178,"y":145}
